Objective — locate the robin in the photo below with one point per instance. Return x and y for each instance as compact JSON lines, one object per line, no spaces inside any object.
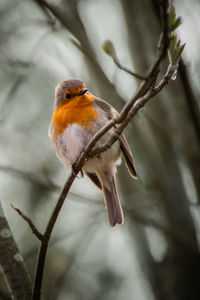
{"x":77,"y":116}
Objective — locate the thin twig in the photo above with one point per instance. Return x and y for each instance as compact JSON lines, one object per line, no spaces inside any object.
{"x":29,"y":221}
{"x":127,"y":70}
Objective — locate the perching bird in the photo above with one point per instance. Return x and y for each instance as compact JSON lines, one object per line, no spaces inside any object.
{"x":77,"y":116}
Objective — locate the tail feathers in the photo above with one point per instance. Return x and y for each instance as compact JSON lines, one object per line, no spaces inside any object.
{"x":112,"y":202}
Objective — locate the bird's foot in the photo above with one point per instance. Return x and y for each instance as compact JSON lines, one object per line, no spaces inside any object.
{"x":75,"y":172}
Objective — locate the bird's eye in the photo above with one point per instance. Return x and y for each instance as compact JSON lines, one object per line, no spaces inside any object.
{"x":68,"y":96}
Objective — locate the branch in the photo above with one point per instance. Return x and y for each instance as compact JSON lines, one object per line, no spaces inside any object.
{"x":109,"y":49}
{"x":127,"y":113}
{"x":127,"y":70}
{"x":29,"y":221}
{"x":124,"y":118}
{"x":12,"y":263}
{"x":49,"y":229}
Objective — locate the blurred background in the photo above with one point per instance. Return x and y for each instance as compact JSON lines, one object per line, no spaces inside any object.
{"x":155,"y":254}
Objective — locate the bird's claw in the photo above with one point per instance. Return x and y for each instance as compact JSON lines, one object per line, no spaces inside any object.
{"x":75,"y":172}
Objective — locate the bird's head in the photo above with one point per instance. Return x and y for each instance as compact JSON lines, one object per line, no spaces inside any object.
{"x":67,"y":90}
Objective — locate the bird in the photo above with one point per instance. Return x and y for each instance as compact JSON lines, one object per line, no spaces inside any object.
{"x":77,"y":116}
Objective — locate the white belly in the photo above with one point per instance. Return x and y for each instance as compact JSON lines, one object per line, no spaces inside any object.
{"x":71,"y":143}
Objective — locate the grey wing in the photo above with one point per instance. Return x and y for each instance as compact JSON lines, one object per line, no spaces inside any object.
{"x":94,"y":178}
{"x":126,"y":151}
{"x":111,"y":113}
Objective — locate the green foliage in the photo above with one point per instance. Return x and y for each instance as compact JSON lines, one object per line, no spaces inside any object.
{"x":175,"y":50}
{"x":173,"y":22}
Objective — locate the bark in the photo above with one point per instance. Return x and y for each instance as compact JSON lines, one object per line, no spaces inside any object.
{"x":12,"y":263}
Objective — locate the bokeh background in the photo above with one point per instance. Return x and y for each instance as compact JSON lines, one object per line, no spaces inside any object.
{"x":154,"y":255}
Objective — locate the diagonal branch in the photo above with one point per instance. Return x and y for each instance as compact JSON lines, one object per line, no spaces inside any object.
{"x":124,"y":119}
{"x":29,"y":221}
{"x":127,"y":70}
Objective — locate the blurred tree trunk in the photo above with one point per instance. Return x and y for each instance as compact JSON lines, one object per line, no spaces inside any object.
{"x":171,"y":136}
{"x":12,"y":264}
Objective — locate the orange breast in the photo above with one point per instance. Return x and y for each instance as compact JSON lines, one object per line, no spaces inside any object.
{"x":79,"y":110}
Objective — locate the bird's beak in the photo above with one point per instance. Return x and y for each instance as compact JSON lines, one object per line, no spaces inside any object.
{"x":82,"y":91}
